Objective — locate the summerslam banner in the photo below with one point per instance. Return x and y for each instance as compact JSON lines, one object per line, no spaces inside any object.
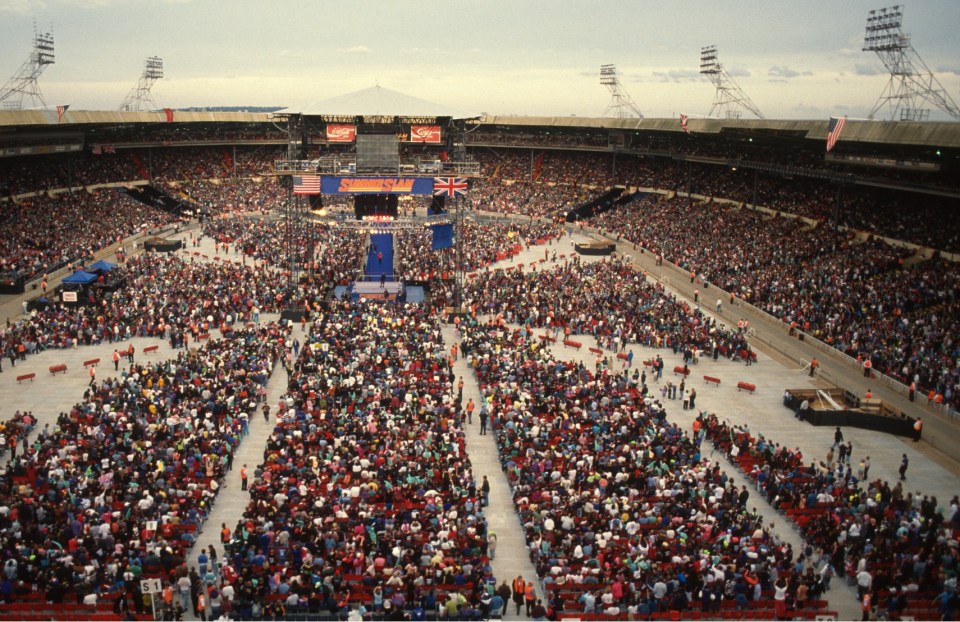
{"x":376,"y":185}
{"x":341,"y":133}
{"x":425,"y":134}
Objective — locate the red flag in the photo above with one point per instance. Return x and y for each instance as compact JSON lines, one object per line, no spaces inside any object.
{"x":169,"y":113}
{"x":683,"y":123}
{"x":60,"y":110}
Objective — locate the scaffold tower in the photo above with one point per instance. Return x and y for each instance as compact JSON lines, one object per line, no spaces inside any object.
{"x":139,"y":97}
{"x":729,"y":100}
{"x":912,"y":87}
{"x":23,"y":89}
{"x":621,"y":104}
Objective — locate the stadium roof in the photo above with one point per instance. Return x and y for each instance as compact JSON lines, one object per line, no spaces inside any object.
{"x":378,"y":100}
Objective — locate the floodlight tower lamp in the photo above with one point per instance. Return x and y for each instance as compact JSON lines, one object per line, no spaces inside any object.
{"x":729,"y":98}
{"x":911,"y":85}
{"x":140,"y":97}
{"x":621,"y":103}
{"x":25,"y":83}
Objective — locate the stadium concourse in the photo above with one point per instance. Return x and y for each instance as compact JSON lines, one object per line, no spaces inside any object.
{"x":760,"y":412}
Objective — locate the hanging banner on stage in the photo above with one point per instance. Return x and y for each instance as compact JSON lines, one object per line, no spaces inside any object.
{"x":341,"y":133}
{"x":425,"y":134}
{"x":377,"y":185}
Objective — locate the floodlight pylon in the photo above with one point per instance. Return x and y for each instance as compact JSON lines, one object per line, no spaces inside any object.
{"x":621,"y":104}
{"x":911,"y":84}
{"x":25,"y":85}
{"x":139,"y":97}
{"x":729,"y":100}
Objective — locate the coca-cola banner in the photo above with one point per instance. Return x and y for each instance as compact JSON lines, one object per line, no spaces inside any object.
{"x":425,"y":134}
{"x":341,"y":133}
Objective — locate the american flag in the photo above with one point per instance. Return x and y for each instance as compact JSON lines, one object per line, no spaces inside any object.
{"x":449,"y":186}
{"x":60,"y":110}
{"x":306,"y":184}
{"x":834,"y":130}
{"x":683,"y":123}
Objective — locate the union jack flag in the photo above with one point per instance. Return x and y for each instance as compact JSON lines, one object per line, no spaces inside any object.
{"x":306,"y":184}
{"x":449,"y":186}
{"x":60,"y":110}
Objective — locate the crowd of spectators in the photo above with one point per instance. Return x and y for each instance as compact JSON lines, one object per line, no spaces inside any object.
{"x":899,"y":545}
{"x":329,"y":254}
{"x":557,"y":175}
{"x":15,"y":430}
{"x":621,"y":511}
{"x":365,"y":495}
{"x":43,"y":234}
{"x":235,"y":196}
{"x":115,"y":491}
{"x":857,"y":296}
{"x":884,"y":211}
{"x":51,"y":172}
{"x":167,"y":297}
{"x":483,"y":243}
{"x":609,"y":299}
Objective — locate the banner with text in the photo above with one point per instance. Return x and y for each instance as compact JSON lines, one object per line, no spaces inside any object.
{"x":377,"y":185}
{"x":341,"y":133}
{"x":425,"y":134}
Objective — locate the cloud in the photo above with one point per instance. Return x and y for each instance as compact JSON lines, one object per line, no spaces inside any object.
{"x":947,"y":69}
{"x":675,"y":75}
{"x":91,"y":4}
{"x":24,"y":7}
{"x":356,"y":49}
{"x":782,"y":72}
{"x":739,"y":72}
{"x":866,"y":70}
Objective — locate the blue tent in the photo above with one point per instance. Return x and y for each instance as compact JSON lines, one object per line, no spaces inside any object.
{"x":101,"y":266}
{"x":81,"y":277}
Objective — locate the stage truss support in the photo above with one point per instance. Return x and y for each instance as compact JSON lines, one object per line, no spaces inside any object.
{"x":912,"y":86}
{"x":729,"y":100}
{"x":458,"y":154}
{"x":294,"y":209}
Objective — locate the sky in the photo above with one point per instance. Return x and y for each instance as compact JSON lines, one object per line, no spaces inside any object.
{"x":794,"y":59}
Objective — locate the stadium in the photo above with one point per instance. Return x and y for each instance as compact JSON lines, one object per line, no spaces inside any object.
{"x":379,"y":360}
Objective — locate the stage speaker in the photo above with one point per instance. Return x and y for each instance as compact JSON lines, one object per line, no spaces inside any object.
{"x":437,"y":205}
